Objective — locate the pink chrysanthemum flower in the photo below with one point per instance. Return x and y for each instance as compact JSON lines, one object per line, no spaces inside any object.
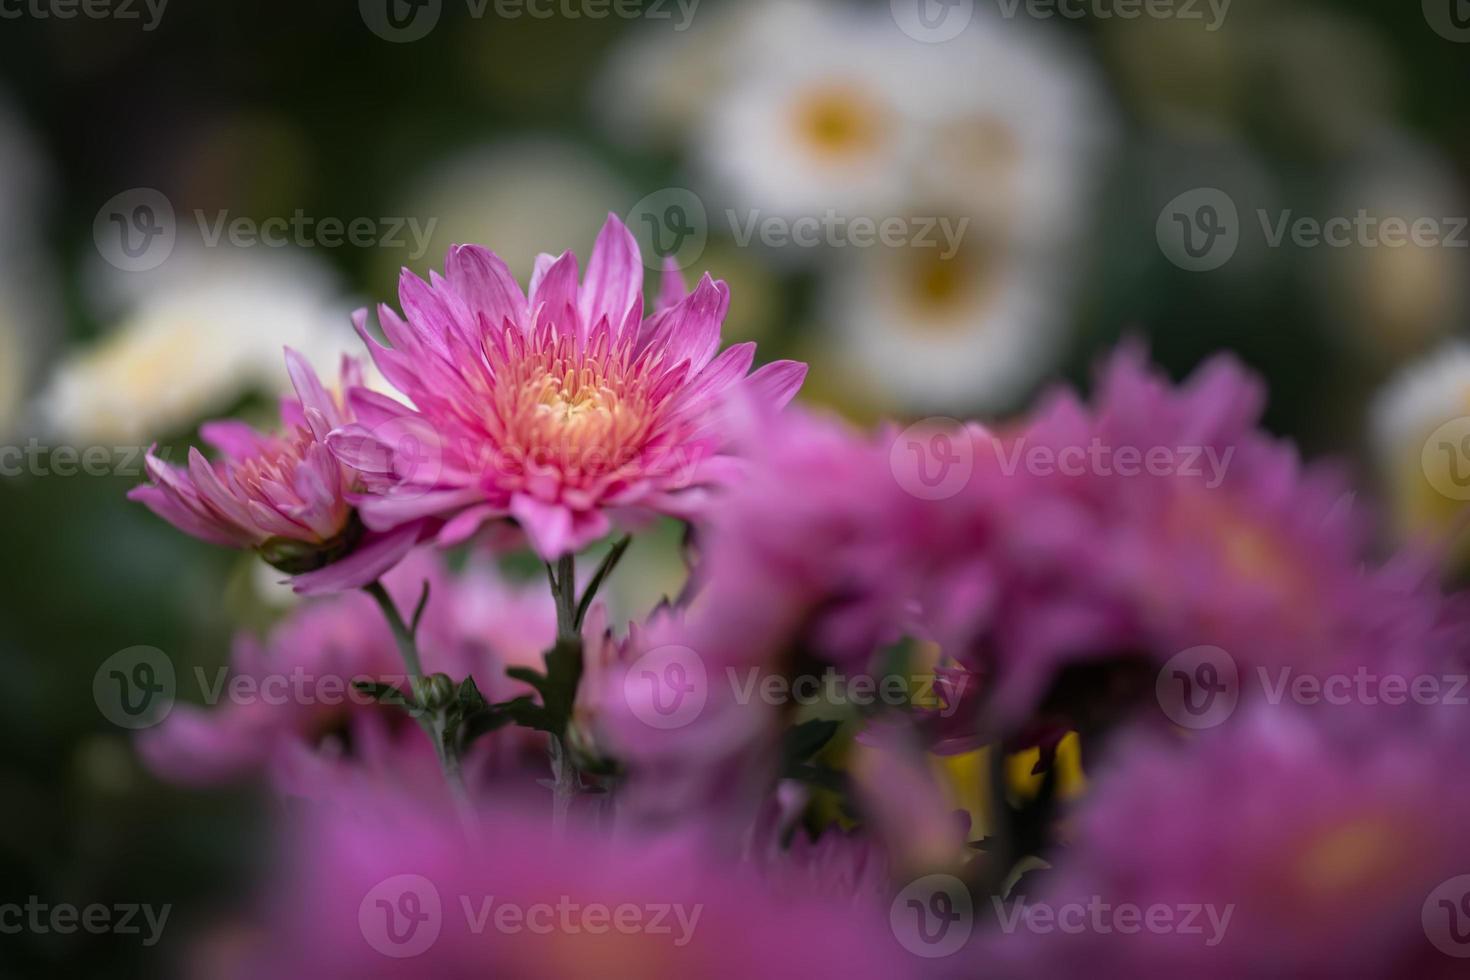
{"x":1318,"y":858}
{"x":284,"y":494}
{"x":562,"y":409}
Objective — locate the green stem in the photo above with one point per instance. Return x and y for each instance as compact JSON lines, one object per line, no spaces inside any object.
{"x":402,"y":635}
{"x":566,"y":782}
{"x":431,"y":719}
{"x":564,"y":592}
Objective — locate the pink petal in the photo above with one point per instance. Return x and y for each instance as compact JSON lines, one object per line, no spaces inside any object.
{"x":614,"y":276}
{"x":393,"y":509}
{"x":234,"y":439}
{"x":198,"y":747}
{"x":485,"y":282}
{"x":548,"y":526}
{"x":314,"y":397}
{"x":555,"y":296}
{"x":368,"y":562}
{"x":691,"y":330}
{"x":465,"y":524}
{"x":776,"y":383}
{"x":168,"y":507}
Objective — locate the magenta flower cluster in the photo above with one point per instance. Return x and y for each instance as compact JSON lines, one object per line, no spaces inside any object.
{"x":1120,"y":687}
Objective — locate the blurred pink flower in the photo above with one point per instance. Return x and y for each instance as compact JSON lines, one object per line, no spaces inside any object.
{"x":388,"y":890}
{"x":284,"y":495}
{"x":561,"y":410}
{"x":817,"y":546}
{"x":287,"y":709}
{"x":659,"y":700}
{"x":1321,"y":860}
{"x":1215,"y":535}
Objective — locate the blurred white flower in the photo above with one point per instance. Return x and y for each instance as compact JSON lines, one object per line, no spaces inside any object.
{"x":1013,"y":145}
{"x":522,"y":198}
{"x":657,"y":82}
{"x":1014,"y":132}
{"x":1420,"y":429}
{"x":820,"y":114}
{"x":971,"y":332}
{"x":192,"y":338}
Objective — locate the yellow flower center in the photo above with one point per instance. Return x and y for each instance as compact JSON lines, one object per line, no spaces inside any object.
{"x":840,"y":122}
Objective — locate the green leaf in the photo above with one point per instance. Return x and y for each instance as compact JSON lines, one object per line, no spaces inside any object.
{"x":530,"y":676}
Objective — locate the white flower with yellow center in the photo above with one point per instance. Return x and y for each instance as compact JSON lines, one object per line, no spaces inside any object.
{"x":818,"y":116}
{"x":933,"y":332}
{"x":1014,"y":132}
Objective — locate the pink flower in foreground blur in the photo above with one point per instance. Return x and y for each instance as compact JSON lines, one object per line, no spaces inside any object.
{"x":818,"y":547}
{"x":562,"y":409}
{"x":284,"y":494}
{"x":288,"y":709}
{"x":1215,"y":535}
{"x":1306,"y":857}
{"x":384,"y":890}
